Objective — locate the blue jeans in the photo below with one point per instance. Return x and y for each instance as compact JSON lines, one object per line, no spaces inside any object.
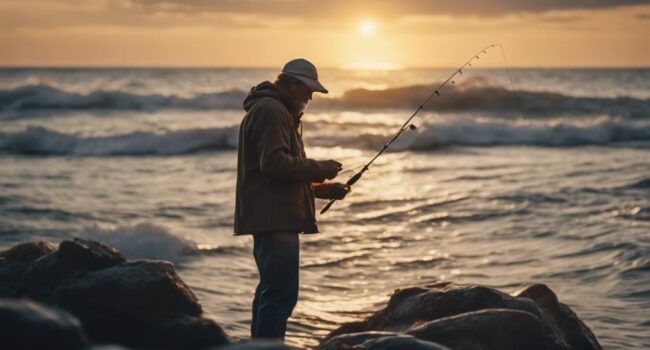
{"x":277,"y":255}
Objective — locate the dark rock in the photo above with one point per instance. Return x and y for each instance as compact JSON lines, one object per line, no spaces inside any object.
{"x":256,"y":345}
{"x":410,"y":306}
{"x":26,"y":252}
{"x":501,"y":329}
{"x":143,"y":289}
{"x":73,"y":258}
{"x":28,"y":325}
{"x":11,"y":277}
{"x":379,"y":341}
{"x":576,"y":332}
{"x":476,"y":317}
{"x":141,"y":304}
{"x":190,"y":333}
{"x":400,"y":342}
{"x":14,"y":264}
{"x":92,"y":255}
{"x":348,"y":340}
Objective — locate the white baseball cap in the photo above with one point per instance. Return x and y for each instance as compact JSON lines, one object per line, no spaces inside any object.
{"x":304,"y":71}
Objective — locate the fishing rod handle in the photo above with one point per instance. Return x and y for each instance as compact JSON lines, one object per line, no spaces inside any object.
{"x":354,"y":178}
{"x":326,"y":207}
{"x":350,"y":182}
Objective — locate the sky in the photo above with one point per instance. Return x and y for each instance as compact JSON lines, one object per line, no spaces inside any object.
{"x":358,"y":34}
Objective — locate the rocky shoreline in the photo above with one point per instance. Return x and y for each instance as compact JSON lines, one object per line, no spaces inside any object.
{"x":86,"y":294}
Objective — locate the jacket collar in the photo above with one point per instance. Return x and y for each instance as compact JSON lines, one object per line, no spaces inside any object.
{"x":268,"y":89}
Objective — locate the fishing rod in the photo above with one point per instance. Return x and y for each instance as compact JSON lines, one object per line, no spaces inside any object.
{"x":407,"y":124}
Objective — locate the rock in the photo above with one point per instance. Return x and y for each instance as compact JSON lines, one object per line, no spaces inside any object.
{"x":92,"y":255}
{"x":379,"y":341}
{"x":143,"y":304}
{"x":574,"y":331}
{"x":410,"y":306}
{"x":28,"y":325}
{"x":190,"y":333}
{"x":14,"y":263}
{"x":256,"y":345}
{"x":138,"y":290}
{"x":26,"y":252}
{"x":400,"y":342}
{"x":47,"y":273}
{"x":501,"y":329}
{"x":11,"y":277}
{"x":348,"y":340}
{"x":475,"y":317}
{"x":139,"y":304}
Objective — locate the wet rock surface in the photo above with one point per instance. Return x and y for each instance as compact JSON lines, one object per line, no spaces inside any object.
{"x":141,"y":303}
{"x":377,"y":340}
{"x":26,"y":252}
{"x":470,"y":317}
{"x":399,"y":342}
{"x":25,"y":324}
{"x":256,"y":345}
{"x":15,"y":262}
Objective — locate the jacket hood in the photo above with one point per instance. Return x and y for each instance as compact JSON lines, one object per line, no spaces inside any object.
{"x":268,"y":89}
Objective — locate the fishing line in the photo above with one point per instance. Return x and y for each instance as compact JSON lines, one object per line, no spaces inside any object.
{"x":512,"y":85}
{"x":409,"y":126}
{"x":351,"y":169}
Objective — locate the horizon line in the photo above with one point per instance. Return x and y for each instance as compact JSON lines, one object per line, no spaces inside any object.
{"x":324,"y":67}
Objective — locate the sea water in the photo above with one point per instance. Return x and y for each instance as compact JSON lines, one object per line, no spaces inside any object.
{"x":545,"y":179}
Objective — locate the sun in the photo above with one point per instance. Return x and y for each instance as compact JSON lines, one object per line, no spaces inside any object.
{"x":367,"y":28}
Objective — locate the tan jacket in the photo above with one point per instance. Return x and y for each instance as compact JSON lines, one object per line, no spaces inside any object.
{"x":273,"y":174}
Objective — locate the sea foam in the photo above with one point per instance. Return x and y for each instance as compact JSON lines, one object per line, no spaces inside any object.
{"x":143,"y":240}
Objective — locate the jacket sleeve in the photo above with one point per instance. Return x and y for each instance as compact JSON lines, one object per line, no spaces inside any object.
{"x":320,"y":190}
{"x":272,"y":135}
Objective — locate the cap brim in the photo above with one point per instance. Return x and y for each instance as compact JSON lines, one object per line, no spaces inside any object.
{"x":314,"y":85}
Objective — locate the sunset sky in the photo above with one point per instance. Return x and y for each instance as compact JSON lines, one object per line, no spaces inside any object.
{"x":331,"y":33}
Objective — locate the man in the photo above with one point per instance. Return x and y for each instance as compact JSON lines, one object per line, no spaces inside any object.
{"x":276,"y":186}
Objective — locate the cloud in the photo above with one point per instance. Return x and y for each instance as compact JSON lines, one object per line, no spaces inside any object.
{"x":35,"y":15}
{"x":28,"y":16}
{"x":560,"y":18}
{"x":320,"y":8}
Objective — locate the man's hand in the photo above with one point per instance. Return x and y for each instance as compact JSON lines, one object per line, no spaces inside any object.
{"x":331,"y":190}
{"x":329,"y":168}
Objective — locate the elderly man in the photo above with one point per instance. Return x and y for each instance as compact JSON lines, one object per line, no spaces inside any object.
{"x":276,"y":186}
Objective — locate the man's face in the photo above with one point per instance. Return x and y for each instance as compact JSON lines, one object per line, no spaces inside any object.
{"x":300,"y":95}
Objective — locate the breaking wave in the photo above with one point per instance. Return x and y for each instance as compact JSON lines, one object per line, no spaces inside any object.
{"x":143,"y":240}
{"x":449,"y":131}
{"x":564,"y":133}
{"x":38,"y":140}
{"x":478,"y":95}
{"x":151,"y":241}
{"x":472,"y":95}
{"x":41,"y":97}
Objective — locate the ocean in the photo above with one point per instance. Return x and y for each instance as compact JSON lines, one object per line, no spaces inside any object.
{"x":548,"y":182}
